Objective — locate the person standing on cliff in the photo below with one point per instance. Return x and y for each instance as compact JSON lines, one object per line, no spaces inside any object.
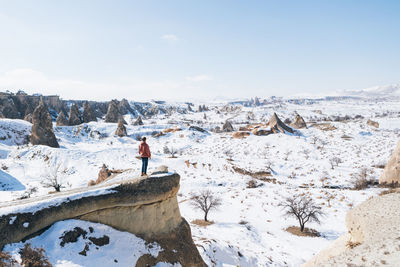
{"x":144,"y":152}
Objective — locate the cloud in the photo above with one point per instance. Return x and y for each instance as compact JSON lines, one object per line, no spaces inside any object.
{"x":172,"y":38}
{"x":199,"y":78}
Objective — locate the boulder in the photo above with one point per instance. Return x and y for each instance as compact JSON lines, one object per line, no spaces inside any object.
{"x":373,"y":123}
{"x":138,"y":121}
{"x":277,"y":126}
{"x":61,"y":119}
{"x":227,"y":127}
{"x":42,"y":128}
{"x":113,"y":114}
{"x":88,"y":113}
{"x":298,"y":122}
{"x":74,"y":116}
{"x":121,"y":130}
{"x":391,"y":173}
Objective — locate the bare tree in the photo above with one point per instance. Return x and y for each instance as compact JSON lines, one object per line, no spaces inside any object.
{"x":170,"y":150}
{"x":54,"y":178}
{"x":287,"y":154}
{"x":314,"y":140}
{"x":306,"y":153}
{"x":335,"y":161}
{"x":205,"y":201}
{"x":303,"y":208}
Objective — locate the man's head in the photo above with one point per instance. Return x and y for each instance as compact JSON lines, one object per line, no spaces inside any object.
{"x":144,"y":139}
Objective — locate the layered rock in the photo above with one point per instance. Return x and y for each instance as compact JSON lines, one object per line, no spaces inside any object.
{"x":61,"y":119}
{"x":74,"y":116}
{"x":277,"y":126}
{"x":146,"y":207}
{"x":391,"y":172}
{"x":42,"y":128}
{"x":121,"y":129}
{"x":113,"y":113}
{"x":298,"y":122}
{"x":372,"y":238}
{"x":227,"y":127}
{"x":88,"y":113}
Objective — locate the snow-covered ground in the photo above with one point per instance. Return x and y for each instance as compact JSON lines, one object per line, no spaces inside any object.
{"x":249,"y":227}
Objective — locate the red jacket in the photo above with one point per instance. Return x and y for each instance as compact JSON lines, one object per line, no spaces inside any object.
{"x":144,"y":150}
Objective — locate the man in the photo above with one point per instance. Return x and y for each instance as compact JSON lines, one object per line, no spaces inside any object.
{"x":144,"y":152}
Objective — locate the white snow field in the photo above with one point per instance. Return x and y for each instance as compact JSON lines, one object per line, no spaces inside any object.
{"x":249,"y":226}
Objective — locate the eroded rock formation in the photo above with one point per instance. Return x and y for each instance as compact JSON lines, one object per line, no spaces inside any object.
{"x":88,"y":113}
{"x":121,"y":129}
{"x":372,"y":238}
{"x":277,"y":126}
{"x":74,"y":116}
{"x":113,"y":113}
{"x":61,"y":120}
{"x":138,"y":121}
{"x":391,"y":173}
{"x":298,"y":122}
{"x":42,"y":128}
{"x":227,"y":127}
{"x":146,"y":207}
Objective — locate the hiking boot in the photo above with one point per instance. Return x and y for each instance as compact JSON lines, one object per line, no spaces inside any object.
{"x":143,"y":174}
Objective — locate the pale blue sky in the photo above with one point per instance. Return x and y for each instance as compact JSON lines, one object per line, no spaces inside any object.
{"x":197,"y":49}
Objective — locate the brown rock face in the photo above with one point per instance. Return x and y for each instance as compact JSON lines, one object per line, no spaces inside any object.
{"x":88,"y":113}
{"x":138,"y":121}
{"x":391,"y":173}
{"x":28,"y":117}
{"x":74,"y":115}
{"x":373,"y":123}
{"x":227,"y":127}
{"x":42,"y":128}
{"x":61,"y":119}
{"x":277,"y":126}
{"x":113,"y":113}
{"x":298,"y":122}
{"x":121,"y":130}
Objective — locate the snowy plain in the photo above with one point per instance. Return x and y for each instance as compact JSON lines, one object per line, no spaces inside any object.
{"x":249,"y":226}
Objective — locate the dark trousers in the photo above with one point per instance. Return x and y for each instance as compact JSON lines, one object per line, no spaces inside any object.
{"x":145,"y":162}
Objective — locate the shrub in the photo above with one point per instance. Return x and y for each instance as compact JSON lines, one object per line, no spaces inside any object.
{"x":6,"y":260}
{"x":34,"y":257}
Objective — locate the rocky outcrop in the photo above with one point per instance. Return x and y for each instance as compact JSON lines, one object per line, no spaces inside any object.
{"x":372,"y":239}
{"x":88,"y":113}
{"x":61,"y":120}
{"x":373,"y":123}
{"x":138,"y":121}
{"x":146,"y":207}
{"x":121,"y":129}
{"x":113,"y":113}
{"x":227,"y":127}
{"x":298,"y":122}
{"x":42,"y":128}
{"x":391,"y":173}
{"x":28,"y":117}
{"x":74,"y":116}
{"x":277,"y":126}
